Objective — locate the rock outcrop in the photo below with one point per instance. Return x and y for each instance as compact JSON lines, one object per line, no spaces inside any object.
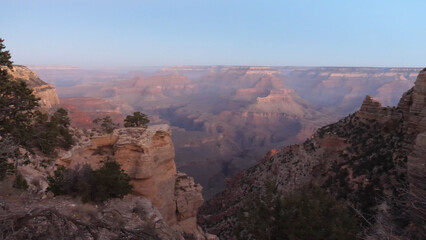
{"x":44,"y":91}
{"x":366,"y":159}
{"x":147,"y":155}
{"x":65,"y":218}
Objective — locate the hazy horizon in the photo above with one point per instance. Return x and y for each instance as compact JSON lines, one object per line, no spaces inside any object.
{"x":132,"y":34}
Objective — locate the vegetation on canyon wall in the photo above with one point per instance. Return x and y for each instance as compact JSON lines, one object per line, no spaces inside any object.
{"x":107,"y":125}
{"x":22,"y":124}
{"x":109,"y":181}
{"x":310,"y":213}
{"x":138,"y":119}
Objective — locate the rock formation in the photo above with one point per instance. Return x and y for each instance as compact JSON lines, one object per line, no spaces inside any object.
{"x":83,"y":111}
{"x":248,"y":110}
{"x":366,"y":159}
{"x":42,"y":90}
{"x":147,"y":155}
{"x":65,"y":218}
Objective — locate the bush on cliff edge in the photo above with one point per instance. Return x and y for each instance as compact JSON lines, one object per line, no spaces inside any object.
{"x":109,"y":181}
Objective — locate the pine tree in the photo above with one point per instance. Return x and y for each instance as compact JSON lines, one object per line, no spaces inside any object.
{"x":17,"y":109}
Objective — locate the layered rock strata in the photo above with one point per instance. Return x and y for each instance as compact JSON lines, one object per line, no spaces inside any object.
{"x":44,"y":91}
{"x":147,"y":155}
{"x":366,"y":159}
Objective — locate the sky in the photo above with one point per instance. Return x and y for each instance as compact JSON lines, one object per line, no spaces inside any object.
{"x":121,"y":33}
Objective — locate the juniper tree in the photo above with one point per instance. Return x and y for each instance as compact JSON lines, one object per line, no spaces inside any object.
{"x":138,"y":119}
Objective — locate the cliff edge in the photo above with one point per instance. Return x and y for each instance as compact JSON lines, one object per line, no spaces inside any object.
{"x":44,"y":91}
{"x":147,"y":155}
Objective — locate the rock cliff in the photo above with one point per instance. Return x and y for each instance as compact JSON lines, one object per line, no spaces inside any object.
{"x":366,"y":159}
{"x":147,"y":155}
{"x":42,"y":90}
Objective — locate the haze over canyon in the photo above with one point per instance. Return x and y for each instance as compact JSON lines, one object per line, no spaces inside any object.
{"x":225,"y":118}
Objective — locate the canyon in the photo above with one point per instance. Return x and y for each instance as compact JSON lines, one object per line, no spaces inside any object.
{"x":225,"y":118}
{"x":163,"y":204}
{"x":374,"y":153}
{"x":373,"y":160}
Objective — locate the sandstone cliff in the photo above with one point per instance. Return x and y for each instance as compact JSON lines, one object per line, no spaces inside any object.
{"x":147,"y":155}
{"x":366,"y":159}
{"x":42,"y":90}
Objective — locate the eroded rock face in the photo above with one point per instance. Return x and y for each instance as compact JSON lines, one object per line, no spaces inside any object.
{"x":413,"y":105}
{"x":44,"y":91}
{"x":188,"y":199}
{"x":147,"y":155}
{"x":369,"y":107}
{"x":372,"y":154}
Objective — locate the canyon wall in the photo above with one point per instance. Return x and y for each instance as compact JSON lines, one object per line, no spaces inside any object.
{"x":42,"y":90}
{"x":373,"y":159}
{"x":236,"y":113}
{"x":147,"y":155}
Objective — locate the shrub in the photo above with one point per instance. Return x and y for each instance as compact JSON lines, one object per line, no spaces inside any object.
{"x":109,"y":181}
{"x":307,"y":214}
{"x":20,"y":182}
{"x":54,"y":132}
{"x":138,"y":119}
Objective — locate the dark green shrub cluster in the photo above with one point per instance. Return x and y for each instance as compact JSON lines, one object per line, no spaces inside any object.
{"x":20,"y":182}
{"x":307,"y":214}
{"x":53,"y":132}
{"x":21,"y":122}
{"x":138,"y":119}
{"x":109,"y":181}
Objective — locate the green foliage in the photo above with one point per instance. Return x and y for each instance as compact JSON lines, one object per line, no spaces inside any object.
{"x":138,"y":119}
{"x":22,"y":124}
{"x":54,"y":132}
{"x":57,"y":182}
{"x":17,"y":103}
{"x":16,"y":111}
{"x":20,"y":182}
{"x":307,"y":214}
{"x":106,"y":124}
{"x":109,"y":181}
{"x":8,"y":150}
{"x":4,"y":56}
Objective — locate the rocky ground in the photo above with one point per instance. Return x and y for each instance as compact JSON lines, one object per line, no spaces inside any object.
{"x":25,"y":216}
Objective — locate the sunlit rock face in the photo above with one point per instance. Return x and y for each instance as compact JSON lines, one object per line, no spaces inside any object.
{"x":42,"y":90}
{"x":147,"y":155}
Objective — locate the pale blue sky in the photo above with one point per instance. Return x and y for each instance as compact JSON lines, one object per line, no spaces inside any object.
{"x":96,"y":34}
